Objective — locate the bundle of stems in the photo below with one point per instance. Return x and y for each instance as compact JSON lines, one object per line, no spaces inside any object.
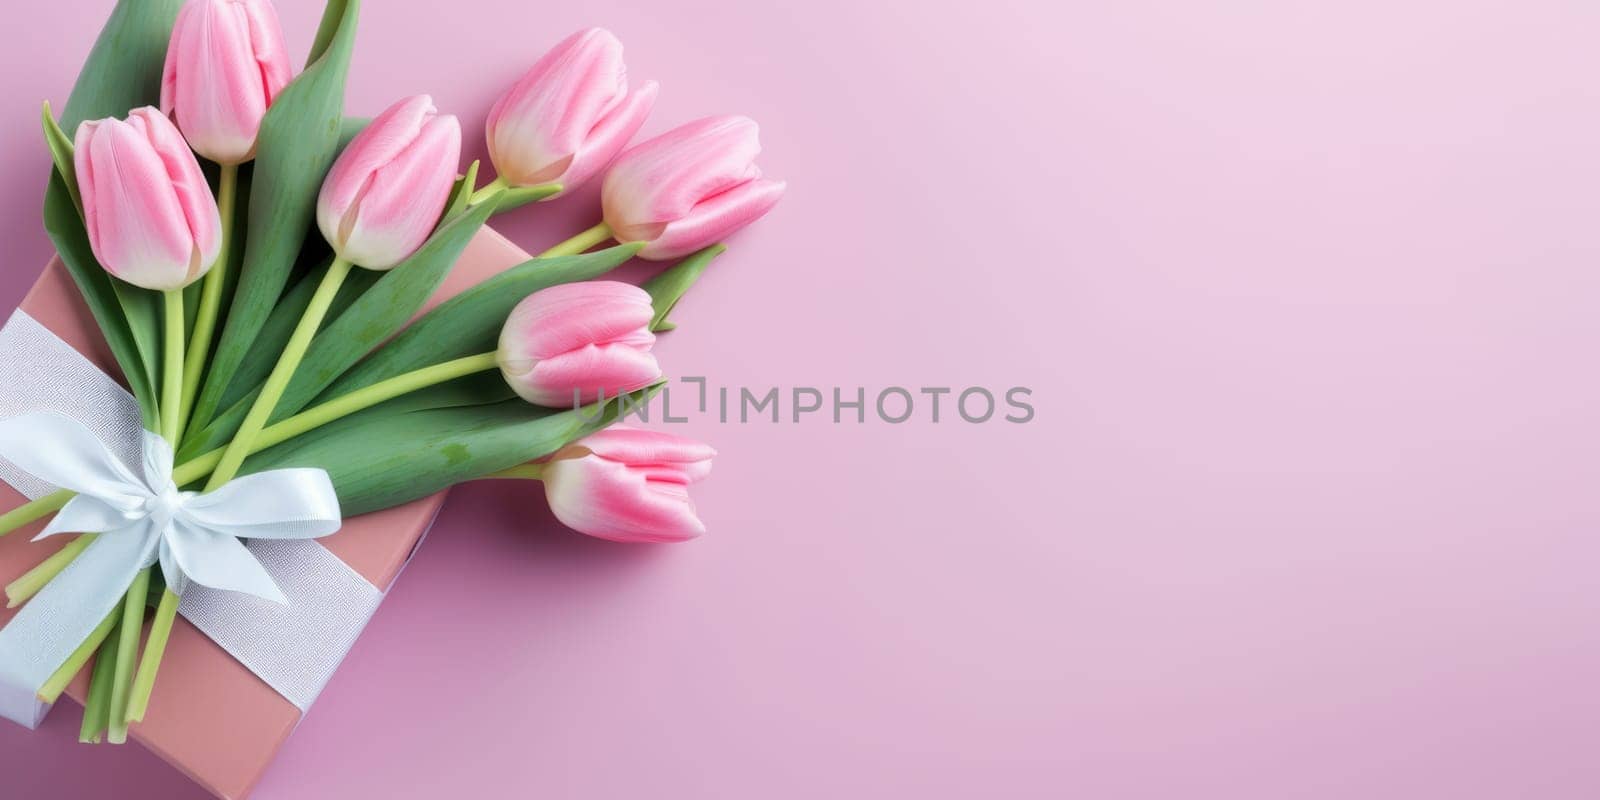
{"x":124,"y":676}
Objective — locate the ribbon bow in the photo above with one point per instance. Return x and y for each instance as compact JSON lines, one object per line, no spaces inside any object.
{"x":141,"y":519}
{"x":194,"y":536}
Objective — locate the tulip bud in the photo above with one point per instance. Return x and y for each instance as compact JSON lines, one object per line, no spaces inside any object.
{"x":628,"y":485}
{"x":225,"y":65}
{"x":386,"y":191}
{"x":569,"y":116}
{"x":688,"y":188}
{"x":148,"y":210}
{"x":571,"y":343}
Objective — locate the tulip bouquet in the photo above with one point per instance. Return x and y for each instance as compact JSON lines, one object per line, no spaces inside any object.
{"x":190,"y":165}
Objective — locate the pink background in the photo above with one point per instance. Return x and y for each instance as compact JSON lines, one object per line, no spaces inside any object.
{"x":1306,"y":294}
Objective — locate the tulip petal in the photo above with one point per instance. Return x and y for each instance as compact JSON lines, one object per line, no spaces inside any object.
{"x":382,"y":141}
{"x":610,"y":500}
{"x":608,"y":137}
{"x":188,"y":183}
{"x":714,"y":219}
{"x":554,"y":320}
{"x":404,"y":198}
{"x":136,"y":223}
{"x":537,"y":129}
{"x":225,"y":64}
{"x":663,"y":179}
{"x":641,"y":446}
{"x":583,"y":375}
{"x":266,"y":41}
{"x":386,"y":191}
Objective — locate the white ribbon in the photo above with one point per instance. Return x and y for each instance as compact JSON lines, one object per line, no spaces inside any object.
{"x":141,"y":518}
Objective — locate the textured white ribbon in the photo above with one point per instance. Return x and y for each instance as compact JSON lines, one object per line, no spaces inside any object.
{"x":233,"y":593}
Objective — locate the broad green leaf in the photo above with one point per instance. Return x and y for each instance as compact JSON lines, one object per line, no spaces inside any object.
{"x":470,"y":322}
{"x":299,"y":138}
{"x":371,"y":318}
{"x":669,"y":287}
{"x":381,"y":460}
{"x":122,"y":72}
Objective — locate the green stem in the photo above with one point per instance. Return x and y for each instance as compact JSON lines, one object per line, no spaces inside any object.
{"x":19,"y":590}
{"x":154,"y":647}
{"x":315,"y":417}
{"x":123,"y":680}
{"x":370,"y":396}
{"x":127,"y":654}
{"x":97,"y":708}
{"x":227,"y":466}
{"x":68,"y":670}
{"x":529,"y":471}
{"x":172,"y":367}
{"x":294,"y":350}
{"x":205,"y":321}
{"x":34,"y":509}
{"x":489,"y":190}
{"x":580,"y":243}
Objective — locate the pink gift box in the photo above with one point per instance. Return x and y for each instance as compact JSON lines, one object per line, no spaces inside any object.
{"x":210,"y":716}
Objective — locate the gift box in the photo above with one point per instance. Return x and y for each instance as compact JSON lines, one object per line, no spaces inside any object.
{"x":200,"y":678}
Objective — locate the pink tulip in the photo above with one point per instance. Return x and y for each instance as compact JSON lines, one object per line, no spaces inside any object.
{"x":569,"y":116}
{"x":384,"y":195}
{"x":568,"y":344}
{"x":628,"y":485}
{"x":688,"y":188}
{"x":149,"y":212}
{"x":225,"y":65}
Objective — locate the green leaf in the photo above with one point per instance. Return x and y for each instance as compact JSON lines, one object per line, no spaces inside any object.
{"x":518,"y":196}
{"x":371,"y":318}
{"x":123,"y":71}
{"x":61,"y":153}
{"x":669,"y":287}
{"x":381,"y":460}
{"x":461,"y":193}
{"x":470,"y":322}
{"x":299,"y":138}
{"x":142,"y":309}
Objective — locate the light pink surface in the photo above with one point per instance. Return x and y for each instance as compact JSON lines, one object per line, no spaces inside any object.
{"x":1306,"y":295}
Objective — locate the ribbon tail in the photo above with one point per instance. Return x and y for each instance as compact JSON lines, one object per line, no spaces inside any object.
{"x":277,"y":504}
{"x":219,"y":561}
{"x":60,"y":617}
